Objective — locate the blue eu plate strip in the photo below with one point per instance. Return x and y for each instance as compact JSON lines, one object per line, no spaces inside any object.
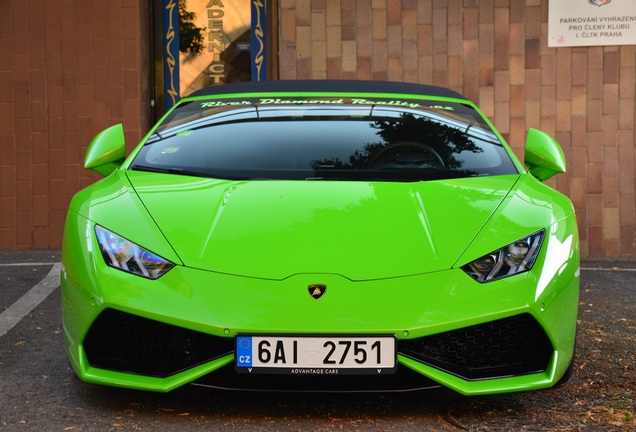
{"x":244,"y":351}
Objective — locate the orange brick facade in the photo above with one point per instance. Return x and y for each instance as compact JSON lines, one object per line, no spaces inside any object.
{"x":73,"y":68}
{"x":68,"y":69}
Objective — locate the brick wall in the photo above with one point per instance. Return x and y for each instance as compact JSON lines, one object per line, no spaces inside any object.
{"x":68,"y":69}
{"x":496,"y":53}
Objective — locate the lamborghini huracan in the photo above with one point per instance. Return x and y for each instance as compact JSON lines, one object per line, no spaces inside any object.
{"x":322,"y":236}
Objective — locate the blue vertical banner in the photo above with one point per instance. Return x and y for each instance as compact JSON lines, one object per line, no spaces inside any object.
{"x":258,"y":40}
{"x":171,"y":83}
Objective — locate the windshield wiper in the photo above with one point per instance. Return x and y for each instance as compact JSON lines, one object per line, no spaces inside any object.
{"x":138,"y":167}
{"x":186,"y":172}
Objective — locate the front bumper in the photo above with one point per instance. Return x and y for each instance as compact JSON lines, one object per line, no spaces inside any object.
{"x":509,"y":335}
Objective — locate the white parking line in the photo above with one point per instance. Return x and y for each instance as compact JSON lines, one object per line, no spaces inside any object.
{"x":25,"y":304}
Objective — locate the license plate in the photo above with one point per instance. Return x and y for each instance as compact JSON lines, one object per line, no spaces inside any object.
{"x":316,"y":355}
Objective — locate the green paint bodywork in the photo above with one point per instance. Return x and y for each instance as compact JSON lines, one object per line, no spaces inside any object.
{"x":543,"y":155}
{"x":107,"y":151}
{"x":391,"y":254}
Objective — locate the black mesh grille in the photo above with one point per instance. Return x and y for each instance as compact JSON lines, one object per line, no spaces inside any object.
{"x":128,"y":343}
{"x":507,"y":347}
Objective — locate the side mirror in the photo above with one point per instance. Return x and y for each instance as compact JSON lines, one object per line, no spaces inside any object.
{"x":107,"y":151}
{"x":543,"y":155}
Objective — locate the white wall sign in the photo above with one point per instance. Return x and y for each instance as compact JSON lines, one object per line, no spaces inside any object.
{"x":591,"y":22}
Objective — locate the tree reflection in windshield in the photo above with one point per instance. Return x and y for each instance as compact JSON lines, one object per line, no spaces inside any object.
{"x":409,"y":142}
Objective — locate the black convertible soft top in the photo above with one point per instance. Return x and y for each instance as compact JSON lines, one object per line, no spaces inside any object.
{"x":341,"y":86}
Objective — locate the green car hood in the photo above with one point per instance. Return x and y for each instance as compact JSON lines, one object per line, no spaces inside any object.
{"x":361,"y":230}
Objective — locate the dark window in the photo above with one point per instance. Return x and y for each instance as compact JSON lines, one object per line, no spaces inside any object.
{"x":330,"y":139}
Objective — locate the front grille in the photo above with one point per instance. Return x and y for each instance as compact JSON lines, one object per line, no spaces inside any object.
{"x":506,"y":347}
{"x":123,"y":342}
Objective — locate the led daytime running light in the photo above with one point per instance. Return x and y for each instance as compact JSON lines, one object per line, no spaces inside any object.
{"x":515,"y":258}
{"x":125,"y":255}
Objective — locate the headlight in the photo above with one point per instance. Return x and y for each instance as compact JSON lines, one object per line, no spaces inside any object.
{"x":124,"y":255}
{"x":515,"y":258}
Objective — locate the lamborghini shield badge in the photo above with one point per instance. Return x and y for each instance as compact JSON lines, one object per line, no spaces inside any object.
{"x":317,"y":290}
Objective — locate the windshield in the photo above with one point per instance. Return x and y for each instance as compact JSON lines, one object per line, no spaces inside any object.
{"x":324,"y":139}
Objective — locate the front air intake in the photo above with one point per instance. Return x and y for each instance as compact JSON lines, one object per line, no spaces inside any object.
{"x":123,"y":342}
{"x":506,"y":347}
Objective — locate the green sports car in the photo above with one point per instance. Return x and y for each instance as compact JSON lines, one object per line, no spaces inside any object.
{"x":322,"y":236}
